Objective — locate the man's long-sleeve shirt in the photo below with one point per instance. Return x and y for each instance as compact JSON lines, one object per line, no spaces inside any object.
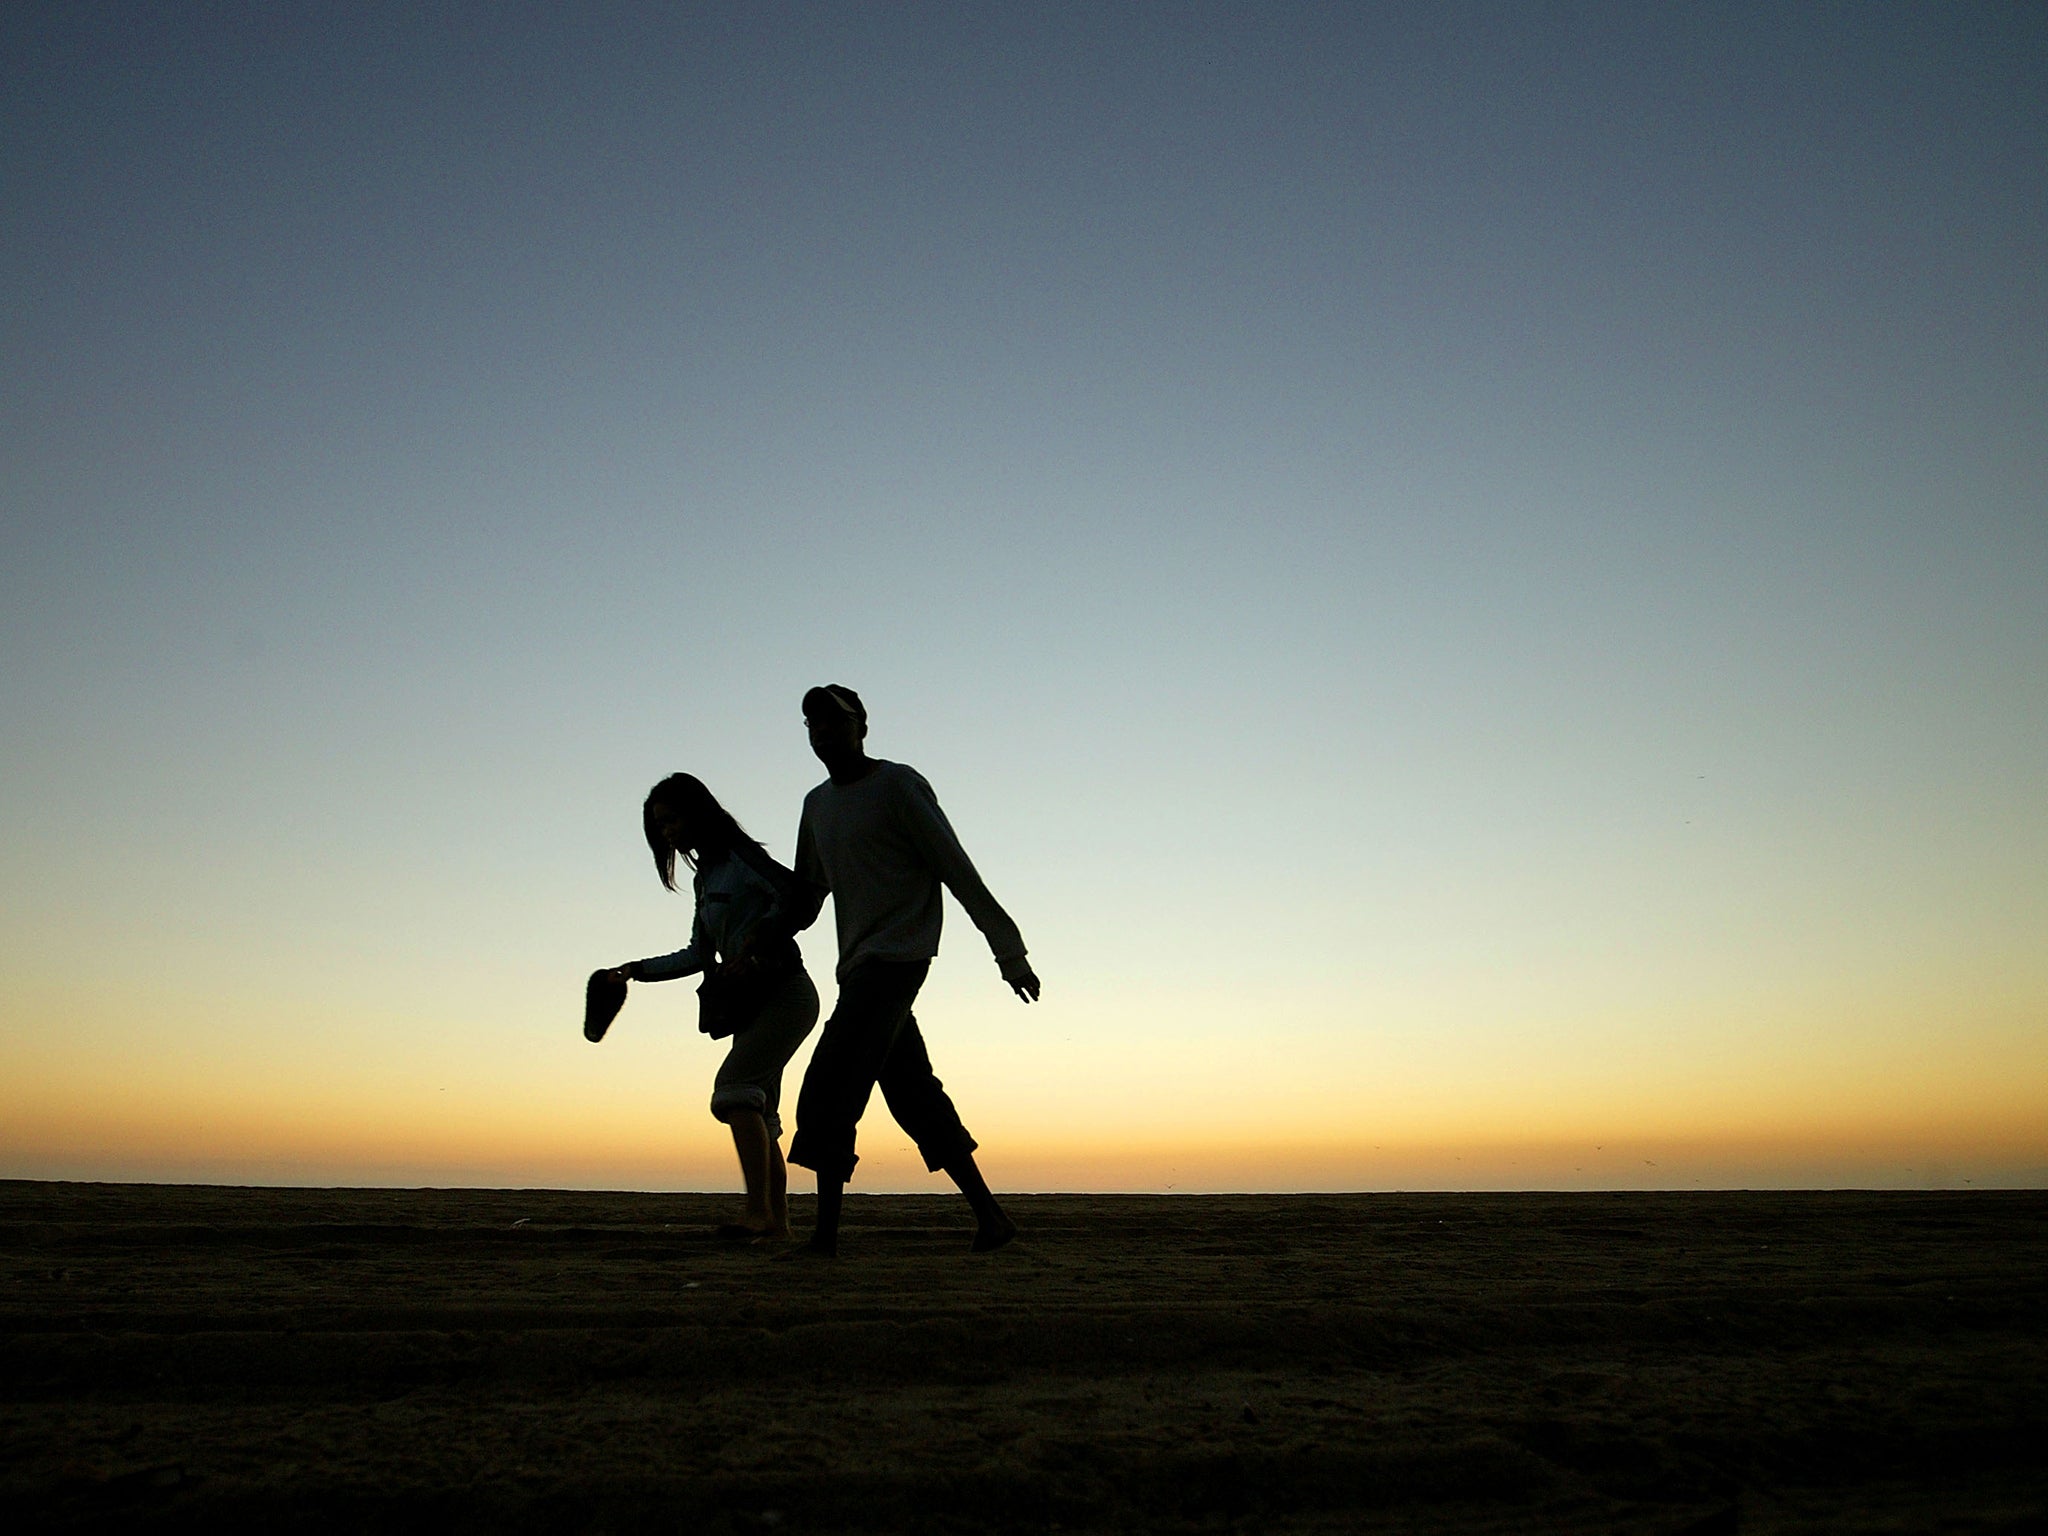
{"x":882,"y":847}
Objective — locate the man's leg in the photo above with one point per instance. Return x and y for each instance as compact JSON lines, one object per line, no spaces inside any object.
{"x":919,"y":1102}
{"x":992,"y":1226}
{"x":824,"y":1238}
{"x":873,"y":1003}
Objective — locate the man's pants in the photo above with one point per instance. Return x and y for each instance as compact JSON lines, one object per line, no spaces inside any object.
{"x":873,"y":1038}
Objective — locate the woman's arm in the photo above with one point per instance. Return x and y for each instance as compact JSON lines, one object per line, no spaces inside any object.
{"x":687,"y":961}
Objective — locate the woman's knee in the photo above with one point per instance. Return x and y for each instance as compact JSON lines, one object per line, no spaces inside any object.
{"x":738,"y":1099}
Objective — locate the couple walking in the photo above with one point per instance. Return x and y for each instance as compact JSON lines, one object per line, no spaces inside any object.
{"x":874,"y":839}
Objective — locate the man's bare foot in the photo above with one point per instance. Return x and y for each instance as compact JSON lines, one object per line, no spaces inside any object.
{"x":812,"y":1251}
{"x":746,"y":1232}
{"x":993,"y":1233}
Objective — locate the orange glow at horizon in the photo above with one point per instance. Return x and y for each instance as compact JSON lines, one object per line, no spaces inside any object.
{"x":124,"y":1137}
{"x":1121,"y":1089}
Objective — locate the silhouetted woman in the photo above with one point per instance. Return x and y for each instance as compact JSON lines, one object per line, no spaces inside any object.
{"x":742,"y":939}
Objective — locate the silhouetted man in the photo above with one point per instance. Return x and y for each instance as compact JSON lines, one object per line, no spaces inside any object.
{"x":873,"y":836}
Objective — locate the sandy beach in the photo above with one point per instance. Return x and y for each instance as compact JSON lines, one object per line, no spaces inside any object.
{"x":368,"y":1359}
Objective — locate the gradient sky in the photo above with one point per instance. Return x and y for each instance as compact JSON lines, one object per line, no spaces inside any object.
{"x":1475,"y":577}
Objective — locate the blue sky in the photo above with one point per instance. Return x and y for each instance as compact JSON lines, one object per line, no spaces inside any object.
{"x":1490,"y":557}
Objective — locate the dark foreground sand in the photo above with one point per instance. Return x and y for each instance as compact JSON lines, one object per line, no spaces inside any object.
{"x":374,"y":1360}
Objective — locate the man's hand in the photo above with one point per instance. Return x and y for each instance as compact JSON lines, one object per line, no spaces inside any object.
{"x":1025,"y":986}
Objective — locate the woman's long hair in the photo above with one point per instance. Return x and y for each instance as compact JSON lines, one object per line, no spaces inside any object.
{"x":708,"y":829}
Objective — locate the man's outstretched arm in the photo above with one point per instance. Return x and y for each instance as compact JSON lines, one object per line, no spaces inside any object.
{"x":940,"y":845}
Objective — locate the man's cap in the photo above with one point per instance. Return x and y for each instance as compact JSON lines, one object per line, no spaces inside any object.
{"x":819,"y":703}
